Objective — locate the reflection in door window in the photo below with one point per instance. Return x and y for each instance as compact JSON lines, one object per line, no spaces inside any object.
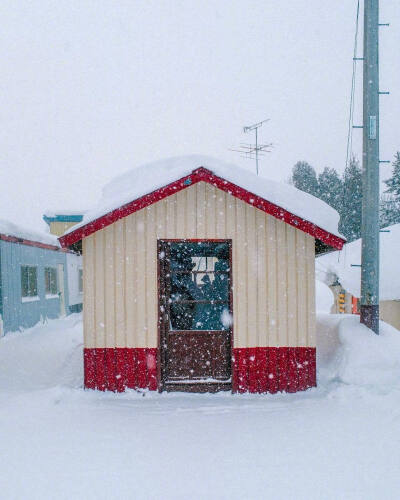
{"x":199,"y":286}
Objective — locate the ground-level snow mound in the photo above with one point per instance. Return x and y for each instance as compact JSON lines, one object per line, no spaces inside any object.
{"x":44,"y":356}
{"x":324,"y":298}
{"x":350,"y":353}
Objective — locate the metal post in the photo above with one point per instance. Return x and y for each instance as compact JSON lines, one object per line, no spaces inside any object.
{"x":370,"y":204}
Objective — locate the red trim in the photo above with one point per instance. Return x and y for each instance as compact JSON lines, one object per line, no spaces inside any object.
{"x":38,"y":244}
{"x":202,"y":174}
{"x":115,"y":369}
{"x":255,"y":369}
{"x":273,"y":369}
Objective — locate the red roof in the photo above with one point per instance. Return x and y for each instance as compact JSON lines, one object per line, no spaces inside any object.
{"x":205,"y":175}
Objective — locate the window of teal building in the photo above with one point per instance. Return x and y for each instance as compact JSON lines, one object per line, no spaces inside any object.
{"x":50,"y":278}
{"x":29,"y":288}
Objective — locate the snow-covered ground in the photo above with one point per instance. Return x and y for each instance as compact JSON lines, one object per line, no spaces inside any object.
{"x":340,"y":440}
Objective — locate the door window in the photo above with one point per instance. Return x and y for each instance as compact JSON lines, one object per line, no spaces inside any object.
{"x":199,"y":286}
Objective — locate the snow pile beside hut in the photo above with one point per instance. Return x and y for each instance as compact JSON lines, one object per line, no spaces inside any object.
{"x":339,"y":440}
{"x":349,"y":353}
{"x":342,"y":265}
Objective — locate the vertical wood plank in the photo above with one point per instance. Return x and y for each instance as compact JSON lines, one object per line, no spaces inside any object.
{"x":99,"y":289}
{"x":210,"y":217}
{"x":241,"y":277}
{"x":281,"y":272}
{"x":109,"y":286}
{"x":119,"y":263}
{"x":310,"y":277}
{"x":271,"y":279}
{"x":189,"y":210}
{"x":170,"y":216}
{"x":302,"y":326}
{"x":130,"y":286}
{"x":151,"y":278}
{"x":252,"y":291}
{"x":201,"y":209}
{"x":89,"y":287}
{"x":292,"y":289}
{"x":140,"y":280}
{"x":220,"y":215}
{"x":261,"y":280}
{"x":181,"y":227}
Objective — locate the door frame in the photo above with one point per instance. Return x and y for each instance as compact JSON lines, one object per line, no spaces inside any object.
{"x":161,"y":334}
{"x":61,"y":288}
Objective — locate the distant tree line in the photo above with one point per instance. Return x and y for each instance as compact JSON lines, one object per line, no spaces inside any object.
{"x":344,"y":193}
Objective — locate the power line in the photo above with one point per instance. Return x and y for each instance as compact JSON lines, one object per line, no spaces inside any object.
{"x":353,"y":86}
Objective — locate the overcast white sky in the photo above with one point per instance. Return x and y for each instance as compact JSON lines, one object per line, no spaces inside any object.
{"x":90,"y":89}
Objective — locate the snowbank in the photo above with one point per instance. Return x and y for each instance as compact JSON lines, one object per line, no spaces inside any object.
{"x":349,"y":352}
{"x":47,"y":355}
{"x":340,"y":440}
{"x":338,"y":265}
{"x":10,"y":229}
{"x":147,"y":178}
{"x":324,"y":298}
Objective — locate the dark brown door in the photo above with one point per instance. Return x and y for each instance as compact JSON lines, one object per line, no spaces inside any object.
{"x":195,"y":315}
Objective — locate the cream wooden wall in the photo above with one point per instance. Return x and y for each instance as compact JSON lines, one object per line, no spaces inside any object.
{"x":389,"y":311}
{"x":273,"y":271}
{"x":59,"y":228}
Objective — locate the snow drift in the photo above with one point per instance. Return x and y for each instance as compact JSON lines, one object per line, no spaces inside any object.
{"x":339,"y":440}
{"x":338,"y":265}
{"x":349,"y":352}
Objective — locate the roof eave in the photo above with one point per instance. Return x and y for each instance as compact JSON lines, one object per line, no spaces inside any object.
{"x":198,"y":175}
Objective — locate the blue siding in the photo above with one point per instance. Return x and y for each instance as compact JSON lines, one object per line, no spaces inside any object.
{"x":17,"y":314}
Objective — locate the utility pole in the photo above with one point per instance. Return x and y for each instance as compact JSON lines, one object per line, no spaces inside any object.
{"x":370,"y":166}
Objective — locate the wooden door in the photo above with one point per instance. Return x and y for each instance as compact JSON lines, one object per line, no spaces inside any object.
{"x":195,"y":315}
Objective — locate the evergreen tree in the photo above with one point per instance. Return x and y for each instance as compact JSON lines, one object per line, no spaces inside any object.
{"x":389,"y":211}
{"x":330,"y":187}
{"x":393,"y":183}
{"x":390,"y":201}
{"x":304,"y":177}
{"x":350,"y":211}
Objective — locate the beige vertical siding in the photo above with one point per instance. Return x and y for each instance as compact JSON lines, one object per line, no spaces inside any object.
{"x":59,"y":228}
{"x":273,"y":271}
{"x":390,"y":312}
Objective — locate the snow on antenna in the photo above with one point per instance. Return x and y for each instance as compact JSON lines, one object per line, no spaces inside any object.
{"x":253,"y":151}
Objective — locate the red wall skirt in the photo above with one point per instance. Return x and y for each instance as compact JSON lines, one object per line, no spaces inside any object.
{"x":255,"y":369}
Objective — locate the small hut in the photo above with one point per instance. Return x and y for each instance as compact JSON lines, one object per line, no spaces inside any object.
{"x":200,"y":276}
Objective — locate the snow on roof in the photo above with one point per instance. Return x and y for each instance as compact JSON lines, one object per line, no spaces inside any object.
{"x":338,"y":265}
{"x":152,"y":176}
{"x":8,"y":228}
{"x":57,"y":213}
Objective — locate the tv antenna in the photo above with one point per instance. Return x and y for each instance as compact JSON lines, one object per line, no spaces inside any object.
{"x":253,"y":151}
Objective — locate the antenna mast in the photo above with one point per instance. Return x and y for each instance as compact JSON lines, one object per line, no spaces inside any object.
{"x":254,"y":151}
